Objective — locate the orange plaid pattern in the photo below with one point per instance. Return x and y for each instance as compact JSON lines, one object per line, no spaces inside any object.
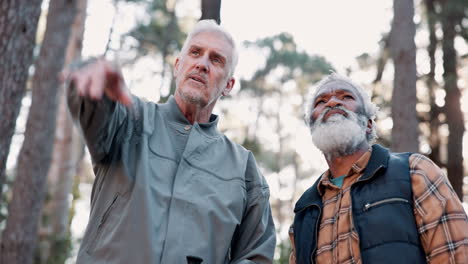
{"x":337,"y":242}
{"x":441,"y":220}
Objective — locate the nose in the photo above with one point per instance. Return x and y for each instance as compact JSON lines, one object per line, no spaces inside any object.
{"x":203,"y":64}
{"x":334,"y":102}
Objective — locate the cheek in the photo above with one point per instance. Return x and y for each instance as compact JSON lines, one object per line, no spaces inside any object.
{"x":313,"y":116}
{"x":359,"y":109}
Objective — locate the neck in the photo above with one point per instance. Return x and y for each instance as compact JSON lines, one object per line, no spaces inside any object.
{"x":340,"y":165}
{"x":195,"y":113}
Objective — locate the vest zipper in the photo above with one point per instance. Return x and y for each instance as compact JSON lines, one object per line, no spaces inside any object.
{"x":316,"y":233}
{"x":367,"y":206}
{"x":353,"y":224}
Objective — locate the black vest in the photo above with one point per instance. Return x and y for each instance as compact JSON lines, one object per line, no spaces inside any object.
{"x":382,"y":208}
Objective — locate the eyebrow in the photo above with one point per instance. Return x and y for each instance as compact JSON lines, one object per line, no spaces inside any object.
{"x":193,"y":46}
{"x":345,"y":90}
{"x":201,"y":47}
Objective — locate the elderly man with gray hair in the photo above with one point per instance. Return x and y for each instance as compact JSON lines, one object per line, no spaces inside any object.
{"x":170,"y":187}
{"x":371,"y":205}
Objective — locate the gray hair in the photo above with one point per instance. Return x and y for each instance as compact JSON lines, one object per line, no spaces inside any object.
{"x":369,"y":109}
{"x":210,"y":25}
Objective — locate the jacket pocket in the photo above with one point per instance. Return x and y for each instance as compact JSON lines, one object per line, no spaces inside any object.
{"x":370,"y":205}
{"x":97,"y":236}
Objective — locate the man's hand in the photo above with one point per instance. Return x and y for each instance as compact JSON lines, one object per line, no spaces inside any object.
{"x":97,"y":78}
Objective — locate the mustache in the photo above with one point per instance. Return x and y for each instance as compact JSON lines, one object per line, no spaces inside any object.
{"x":198,"y":75}
{"x":331,"y":108}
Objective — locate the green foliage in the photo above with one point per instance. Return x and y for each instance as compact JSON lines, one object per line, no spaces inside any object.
{"x":457,"y":10}
{"x":76,"y":196}
{"x":283,"y":52}
{"x":5,"y":197}
{"x":284,"y":250}
{"x":158,"y":34}
{"x":286,"y":63}
{"x":60,"y":250}
{"x":161,"y":33}
{"x":252,"y":145}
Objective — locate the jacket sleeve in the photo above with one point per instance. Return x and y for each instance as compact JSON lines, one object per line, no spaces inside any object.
{"x":103,"y":123}
{"x":255,"y":238}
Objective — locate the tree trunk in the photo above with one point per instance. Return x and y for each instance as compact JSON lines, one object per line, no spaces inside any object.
{"x":211,"y":10}
{"x":383,"y":57}
{"x":405,"y":130}
{"x":452,"y":109}
{"x":67,"y":153}
{"x":434,"y":122}
{"x":18,"y":26}
{"x":20,"y":235}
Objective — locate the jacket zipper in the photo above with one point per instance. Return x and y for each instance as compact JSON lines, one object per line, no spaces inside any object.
{"x":101,"y":223}
{"x":367,"y":206}
{"x":107,"y":212}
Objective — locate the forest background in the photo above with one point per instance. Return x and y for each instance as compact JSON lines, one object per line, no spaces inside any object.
{"x":412,"y":57}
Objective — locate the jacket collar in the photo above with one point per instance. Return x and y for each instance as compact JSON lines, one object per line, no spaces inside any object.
{"x":378,"y":159}
{"x":173,"y":114}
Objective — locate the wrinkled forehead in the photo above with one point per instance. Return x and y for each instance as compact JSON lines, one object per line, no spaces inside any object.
{"x":213,"y":40}
{"x":336,"y":86}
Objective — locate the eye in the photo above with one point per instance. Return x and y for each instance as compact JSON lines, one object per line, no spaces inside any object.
{"x":217,"y":60}
{"x":319,"y":102}
{"x":347,"y":96}
{"x":194,"y":52}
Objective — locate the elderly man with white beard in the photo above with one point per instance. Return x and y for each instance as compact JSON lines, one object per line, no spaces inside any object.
{"x":371,"y":205}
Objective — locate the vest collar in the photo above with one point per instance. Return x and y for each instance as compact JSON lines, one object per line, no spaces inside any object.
{"x":378,"y":159}
{"x":310,"y":197}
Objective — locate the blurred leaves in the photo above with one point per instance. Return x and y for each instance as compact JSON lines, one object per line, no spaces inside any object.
{"x":283,"y":52}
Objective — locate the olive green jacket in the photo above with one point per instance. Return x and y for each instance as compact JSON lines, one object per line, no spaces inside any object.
{"x":153,"y":204}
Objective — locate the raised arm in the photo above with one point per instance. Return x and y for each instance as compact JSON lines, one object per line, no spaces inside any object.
{"x":99,"y":102}
{"x":97,"y":78}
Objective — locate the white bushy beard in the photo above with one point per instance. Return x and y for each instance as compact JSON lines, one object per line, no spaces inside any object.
{"x":339,"y":135}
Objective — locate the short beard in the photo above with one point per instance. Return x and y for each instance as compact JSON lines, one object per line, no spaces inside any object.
{"x":193,"y":98}
{"x":339,"y":135}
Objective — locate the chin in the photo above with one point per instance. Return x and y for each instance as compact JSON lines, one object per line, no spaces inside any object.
{"x":340,"y":136}
{"x":194,"y":98}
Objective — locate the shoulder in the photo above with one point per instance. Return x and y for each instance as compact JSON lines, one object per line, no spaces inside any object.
{"x":144,"y":112}
{"x":234,"y":149}
{"x":422,"y":165}
{"x":424,"y":172}
{"x":429,"y":181}
{"x":253,"y":175}
{"x":310,"y":196}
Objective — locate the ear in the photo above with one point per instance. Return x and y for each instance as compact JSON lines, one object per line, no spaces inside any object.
{"x":176,"y":67}
{"x":229,"y":85}
{"x":369,"y":126}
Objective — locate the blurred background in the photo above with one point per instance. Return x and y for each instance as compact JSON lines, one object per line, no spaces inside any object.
{"x":411,"y":56}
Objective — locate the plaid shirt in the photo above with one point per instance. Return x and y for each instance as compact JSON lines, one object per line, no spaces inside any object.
{"x":441,"y":220}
